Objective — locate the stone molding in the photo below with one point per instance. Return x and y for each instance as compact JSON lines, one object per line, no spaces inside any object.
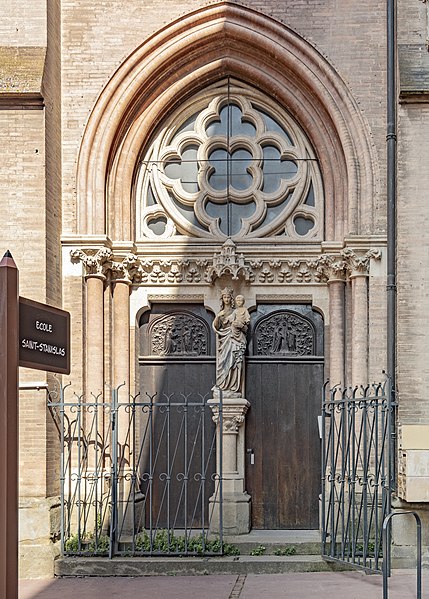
{"x":138,"y":270}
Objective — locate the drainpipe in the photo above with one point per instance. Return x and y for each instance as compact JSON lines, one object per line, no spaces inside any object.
{"x":391,"y":139}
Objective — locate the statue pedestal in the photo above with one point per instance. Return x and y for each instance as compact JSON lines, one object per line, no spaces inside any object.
{"x":229,"y":415}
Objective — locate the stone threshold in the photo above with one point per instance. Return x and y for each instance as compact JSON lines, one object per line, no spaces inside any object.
{"x":191,"y":566}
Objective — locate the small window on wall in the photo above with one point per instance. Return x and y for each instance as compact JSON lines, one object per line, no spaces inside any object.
{"x":232,"y":163}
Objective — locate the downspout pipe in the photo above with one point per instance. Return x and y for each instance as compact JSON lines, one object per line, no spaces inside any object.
{"x":391,"y":169}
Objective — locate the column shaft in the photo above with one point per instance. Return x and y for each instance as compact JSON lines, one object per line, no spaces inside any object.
{"x":94,"y":363}
{"x":336,"y":332}
{"x":360,"y":330}
{"x":121,"y":338}
{"x":121,"y":363}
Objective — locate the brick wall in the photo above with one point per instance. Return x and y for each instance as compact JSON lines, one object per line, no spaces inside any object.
{"x":413,"y":263}
{"x":23,"y":23}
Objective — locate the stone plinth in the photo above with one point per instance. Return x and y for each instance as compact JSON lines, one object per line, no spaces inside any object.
{"x":229,"y":415}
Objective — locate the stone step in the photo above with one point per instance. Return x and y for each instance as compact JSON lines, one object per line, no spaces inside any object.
{"x":264,"y":542}
{"x":191,"y":566}
{"x":292,"y":542}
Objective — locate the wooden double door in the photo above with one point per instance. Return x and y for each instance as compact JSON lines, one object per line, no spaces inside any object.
{"x":284,"y":379}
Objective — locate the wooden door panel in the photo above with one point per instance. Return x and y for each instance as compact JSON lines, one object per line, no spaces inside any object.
{"x":282,"y":429}
{"x":181,"y":434}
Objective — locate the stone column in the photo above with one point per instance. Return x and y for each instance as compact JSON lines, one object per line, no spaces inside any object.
{"x":359,"y":328}
{"x":229,"y":416}
{"x":94,"y":362}
{"x":121,"y":337}
{"x":336,"y":286}
{"x":129,"y":496}
{"x":96,"y":263}
{"x":358,"y":267}
{"x":333,"y":268}
{"x":121,"y":381}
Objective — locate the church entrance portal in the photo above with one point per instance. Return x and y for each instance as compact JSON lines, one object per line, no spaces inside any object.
{"x":284,"y":379}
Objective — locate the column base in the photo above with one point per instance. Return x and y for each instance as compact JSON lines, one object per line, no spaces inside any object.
{"x":130,"y":508}
{"x":39,"y":532}
{"x":235,"y":514}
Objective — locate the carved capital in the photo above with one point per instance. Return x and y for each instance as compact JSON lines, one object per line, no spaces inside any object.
{"x":96,"y":262}
{"x":358,"y":264}
{"x":233,"y":413}
{"x":128,"y":270}
{"x":332,"y":268}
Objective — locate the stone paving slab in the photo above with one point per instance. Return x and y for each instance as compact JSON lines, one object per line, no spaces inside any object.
{"x":320,"y":585}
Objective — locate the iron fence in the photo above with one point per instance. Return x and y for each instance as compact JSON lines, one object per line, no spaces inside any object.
{"x":357,"y":473}
{"x":139,"y":477}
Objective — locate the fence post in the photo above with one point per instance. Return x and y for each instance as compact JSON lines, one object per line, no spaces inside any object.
{"x":114,"y":474}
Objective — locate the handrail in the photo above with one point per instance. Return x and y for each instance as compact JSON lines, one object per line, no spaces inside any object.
{"x":386,"y":551}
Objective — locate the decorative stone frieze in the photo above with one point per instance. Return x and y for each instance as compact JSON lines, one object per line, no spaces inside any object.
{"x":138,"y":270}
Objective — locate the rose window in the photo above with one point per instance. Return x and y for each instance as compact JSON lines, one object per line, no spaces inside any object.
{"x":230,"y":164}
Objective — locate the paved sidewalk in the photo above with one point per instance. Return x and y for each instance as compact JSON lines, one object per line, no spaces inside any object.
{"x":320,"y":585}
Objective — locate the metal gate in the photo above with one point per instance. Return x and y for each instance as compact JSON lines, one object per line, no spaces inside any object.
{"x":358,"y":451}
{"x":139,"y":477}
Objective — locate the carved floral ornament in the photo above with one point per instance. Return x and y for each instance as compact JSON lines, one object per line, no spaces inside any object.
{"x":232,"y":416}
{"x":137,"y":270}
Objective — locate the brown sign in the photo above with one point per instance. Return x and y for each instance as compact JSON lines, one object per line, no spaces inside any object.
{"x":44,"y":337}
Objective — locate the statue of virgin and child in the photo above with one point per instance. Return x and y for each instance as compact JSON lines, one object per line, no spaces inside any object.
{"x":230,"y":325}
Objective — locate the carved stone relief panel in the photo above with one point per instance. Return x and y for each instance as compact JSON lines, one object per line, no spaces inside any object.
{"x":179,"y":334}
{"x":284,"y":334}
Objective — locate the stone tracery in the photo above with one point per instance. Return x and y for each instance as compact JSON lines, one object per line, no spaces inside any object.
{"x":237,"y":167}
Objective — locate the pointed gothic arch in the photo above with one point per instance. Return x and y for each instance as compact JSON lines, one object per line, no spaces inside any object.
{"x":213,"y":42}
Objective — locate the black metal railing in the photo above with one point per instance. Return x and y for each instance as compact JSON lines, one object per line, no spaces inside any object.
{"x":139,"y":477}
{"x":357,"y":473}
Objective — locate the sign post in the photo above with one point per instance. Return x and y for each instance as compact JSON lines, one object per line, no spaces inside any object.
{"x":8,"y":428}
{"x":37,"y":336}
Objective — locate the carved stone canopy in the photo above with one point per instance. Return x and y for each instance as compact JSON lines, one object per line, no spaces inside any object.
{"x":227,"y":262}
